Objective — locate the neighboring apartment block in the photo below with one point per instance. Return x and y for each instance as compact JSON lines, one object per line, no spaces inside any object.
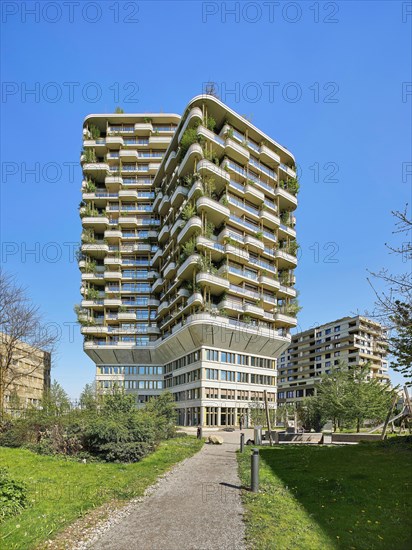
{"x":187,"y":258}
{"x":314,"y":352}
{"x":27,"y":376}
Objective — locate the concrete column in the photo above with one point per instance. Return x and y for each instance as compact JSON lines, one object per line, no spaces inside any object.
{"x":202,"y":416}
{"x":219,"y":417}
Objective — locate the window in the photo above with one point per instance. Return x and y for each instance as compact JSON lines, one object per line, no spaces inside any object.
{"x":228,"y":357}
{"x":337,"y":329}
{"x":242,"y":377}
{"x":211,"y":374}
{"x":212,"y":355}
{"x":328,"y":331}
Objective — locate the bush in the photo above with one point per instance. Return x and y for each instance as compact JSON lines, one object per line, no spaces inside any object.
{"x":13,"y":495}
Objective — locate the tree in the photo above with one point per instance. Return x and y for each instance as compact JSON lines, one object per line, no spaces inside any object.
{"x":88,"y":398}
{"x":393,"y":306}
{"x":25,"y":341}
{"x":56,"y":402}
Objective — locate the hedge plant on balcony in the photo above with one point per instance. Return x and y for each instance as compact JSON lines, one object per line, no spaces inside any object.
{"x":209,"y":229}
{"x":90,"y":186}
{"x":89,"y":155}
{"x":188,"y":249}
{"x":188,"y":211}
{"x":88,"y":236}
{"x":94,"y":131}
{"x":189,"y":138}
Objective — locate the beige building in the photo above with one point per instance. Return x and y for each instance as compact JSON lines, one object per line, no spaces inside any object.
{"x":314,"y":352}
{"x":24,"y":381}
{"x":188,"y":257}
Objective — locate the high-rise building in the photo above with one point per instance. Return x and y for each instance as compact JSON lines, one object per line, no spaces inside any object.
{"x":187,"y":258}
{"x":312,"y":353}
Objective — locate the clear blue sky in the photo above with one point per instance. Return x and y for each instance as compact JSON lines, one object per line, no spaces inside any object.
{"x":330,"y":91}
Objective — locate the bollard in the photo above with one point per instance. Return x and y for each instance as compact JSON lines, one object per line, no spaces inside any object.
{"x":200,"y":432}
{"x":254,"y":462}
{"x":242,"y":442}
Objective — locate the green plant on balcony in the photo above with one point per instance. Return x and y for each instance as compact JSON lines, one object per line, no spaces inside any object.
{"x":189,"y":138}
{"x":229,"y":133}
{"x":147,"y":120}
{"x":92,"y":293}
{"x":90,"y":186}
{"x":88,"y":236}
{"x":90,"y":267}
{"x":188,"y":211}
{"x":246,"y":319}
{"x":210,"y":123}
{"x":259,"y":235}
{"x":293,"y":307}
{"x":284,"y":277}
{"x":285,"y":218}
{"x":209,"y":187}
{"x":292,"y":185}
{"x":94,"y":131}
{"x":123,"y":309}
{"x":223,"y":313}
{"x":118,"y":111}
{"x":259,"y":303}
{"x":230,"y":241}
{"x":192,"y":287}
{"x":89,"y":155}
{"x":206,"y":265}
{"x":224,"y":200}
{"x":188,"y":249}
{"x":209,"y":229}
{"x":293,"y":247}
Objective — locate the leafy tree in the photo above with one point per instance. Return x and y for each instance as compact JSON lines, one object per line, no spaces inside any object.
{"x":56,"y":402}
{"x":393,"y":306}
{"x":88,"y":398}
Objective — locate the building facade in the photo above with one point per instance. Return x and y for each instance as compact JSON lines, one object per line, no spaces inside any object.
{"x":354,"y":341}
{"x":187,"y":258}
{"x":26,"y":377}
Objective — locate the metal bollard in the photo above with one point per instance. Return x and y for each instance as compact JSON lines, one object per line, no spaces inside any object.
{"x":242,"y":442}
{"x":254,"y":462}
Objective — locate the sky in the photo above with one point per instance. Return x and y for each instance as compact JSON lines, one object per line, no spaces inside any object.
{"x":329,"y":80}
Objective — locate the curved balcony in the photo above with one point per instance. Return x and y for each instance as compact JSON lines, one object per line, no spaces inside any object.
{"x":285,"y":320}
{"x":215,"y":211}
{"x":153,"y":275}
{"x":171,"y":162}
{"x":112,"y":302}
{"x":164,"y":205}
{"x":194,"y":115}
{"x":286,"y":291}
{"x":237,"y":254}
{"x":128,"y":194}
{"x":128,"y":155}
{"x":94,"y":329}
{"x":193,"y":153}
{"x":286,"y":171}
{"x":236,"y":151}
{"x":113,"y":275}
{"x":208,"y":169}
{"x":126,"y":316}
{"x":96,"y":168}
{"x":193,"y":226}
{"x":176,"y":226}
{"x":156,"y":257}
{"x":195,"y":190}
{"x":269,"y":282}
{"x":162,"y":309}
{"x":96,"y":250}
{"x":216,"y":250}
{"x":218,"y":142}
{"x":185,"y":271}
{"x":169,"y":270}
{"x":253,"y":194}
{"x":254,"y":244}
{"x":196,"y":299}
{"x":111,"y":260}
{"x":152,"y":302}
{"x":270,"y":219}
{"x":268,"y":156}
{"x":96,"y":222}
{"x":143,"y":128}
{"x":230,"y":306}
{"x":157,"y":285}
{"x":159,"y":142}
{"x":286,"y":231}
{"x":287,"y":201}
{"x":127,"y":221}
{"x":254,"y":311}
{"x":157,"y":199}
{"x":285,"y":260}
{"x":113,"y":234}
{"x":95,"y":277}
{"x":179,"y":195}
{"x":113,"y":181}
{"x":114,"y":142}
{"x":216,"y":284}
{"x":164,"y":233}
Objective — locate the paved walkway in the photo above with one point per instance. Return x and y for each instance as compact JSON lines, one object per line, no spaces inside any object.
{"x":197,"y":507}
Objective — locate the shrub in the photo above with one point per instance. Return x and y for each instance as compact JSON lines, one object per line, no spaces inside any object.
{"x":13,"y":495}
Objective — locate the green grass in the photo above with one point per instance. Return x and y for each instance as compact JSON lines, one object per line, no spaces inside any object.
{"x":323,"y":498}
{"x":60,"y":491}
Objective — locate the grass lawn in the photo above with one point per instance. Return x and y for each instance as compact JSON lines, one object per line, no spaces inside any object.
{"x":60,"y":491}
{"x":340,"y":497}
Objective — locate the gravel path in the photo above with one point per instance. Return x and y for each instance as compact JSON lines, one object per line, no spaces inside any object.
{"x":196,"y":507}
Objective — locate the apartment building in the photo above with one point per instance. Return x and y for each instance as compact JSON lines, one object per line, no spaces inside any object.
{"x":187,"y":258}
{"x":26,"y":378}
{"x":315,"y":352}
